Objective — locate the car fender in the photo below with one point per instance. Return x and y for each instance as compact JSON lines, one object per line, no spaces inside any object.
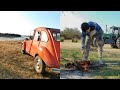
{"x":47,"y":57}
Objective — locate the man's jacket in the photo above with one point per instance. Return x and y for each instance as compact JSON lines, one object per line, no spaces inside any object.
{"x":98,"y":30}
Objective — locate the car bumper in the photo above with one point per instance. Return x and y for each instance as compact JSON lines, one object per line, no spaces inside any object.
{"x":55,"y":70}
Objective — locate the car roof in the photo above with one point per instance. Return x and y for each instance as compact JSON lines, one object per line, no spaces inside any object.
{"x":52,"y":29}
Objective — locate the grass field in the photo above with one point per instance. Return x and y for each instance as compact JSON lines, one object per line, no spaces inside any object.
{"x":71,"y":51}
{"x":15,"y":65}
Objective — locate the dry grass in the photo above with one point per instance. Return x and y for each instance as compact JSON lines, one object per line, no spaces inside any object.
{"x":70,"y":45}
{"x":15,"y":65}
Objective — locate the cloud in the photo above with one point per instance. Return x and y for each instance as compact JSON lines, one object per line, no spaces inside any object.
{"x":68,"y":19}
{"x":72,"y":19}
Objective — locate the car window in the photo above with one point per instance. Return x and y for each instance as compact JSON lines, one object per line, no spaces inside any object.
{"x":37,"y":36}
{"x":56,"y":36}
{"x":44,"y":36}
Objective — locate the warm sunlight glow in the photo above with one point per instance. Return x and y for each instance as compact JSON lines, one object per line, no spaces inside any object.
{"x":14,"y":22}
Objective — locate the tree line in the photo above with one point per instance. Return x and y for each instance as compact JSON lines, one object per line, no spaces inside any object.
{"x":70,"y":33}
{"x":9,"y":35}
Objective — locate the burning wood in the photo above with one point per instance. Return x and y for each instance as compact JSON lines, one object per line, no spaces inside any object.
{"x":80,"y":65}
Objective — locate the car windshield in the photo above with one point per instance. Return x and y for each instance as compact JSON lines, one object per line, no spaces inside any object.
{"x":56,"y":36}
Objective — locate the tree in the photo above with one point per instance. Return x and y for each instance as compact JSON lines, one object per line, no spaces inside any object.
{"x":70,"y":33}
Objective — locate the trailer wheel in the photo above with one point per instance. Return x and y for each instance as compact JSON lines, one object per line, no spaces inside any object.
{"x":118,"y":43}
{"x":39,"y":65}
{"x":113,"y":45}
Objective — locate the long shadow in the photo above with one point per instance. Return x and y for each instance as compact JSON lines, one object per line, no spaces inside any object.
{"x":107,"y":70}
{"x":51,"y":75}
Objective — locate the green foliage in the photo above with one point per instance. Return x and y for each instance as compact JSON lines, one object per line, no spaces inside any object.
{"x":61,"y":39}
{"x":70,"y":33}
{"x":71,"y":52}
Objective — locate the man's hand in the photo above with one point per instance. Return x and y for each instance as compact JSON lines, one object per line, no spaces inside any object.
{"x":92,"y":33}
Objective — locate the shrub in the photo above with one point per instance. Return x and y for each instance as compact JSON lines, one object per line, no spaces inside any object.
{"x":61,"y":39}
{"x":75,"y":40}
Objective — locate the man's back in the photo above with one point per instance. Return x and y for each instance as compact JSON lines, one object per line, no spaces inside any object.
{"x":94,"y":24}
{"x":96,"y":27}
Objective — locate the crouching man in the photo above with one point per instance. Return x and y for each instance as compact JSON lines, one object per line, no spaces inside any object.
{"x":92,"y":34}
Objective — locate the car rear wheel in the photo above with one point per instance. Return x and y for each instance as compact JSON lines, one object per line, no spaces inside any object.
{"x":39,"y":65}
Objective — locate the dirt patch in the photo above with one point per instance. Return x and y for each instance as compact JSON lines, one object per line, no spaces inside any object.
{"x":74,"y":74}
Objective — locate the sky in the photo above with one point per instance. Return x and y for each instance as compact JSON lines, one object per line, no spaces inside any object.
{"x":23,"y":22}
{"x":74,"y":19}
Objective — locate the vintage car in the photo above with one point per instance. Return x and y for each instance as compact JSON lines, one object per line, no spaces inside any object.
{"x":44,"y":46}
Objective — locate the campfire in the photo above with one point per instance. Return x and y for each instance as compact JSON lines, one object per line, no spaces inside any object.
{"x":79,"y":65}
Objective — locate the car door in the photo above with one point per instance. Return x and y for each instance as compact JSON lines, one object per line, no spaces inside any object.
{"x":29,"y":42}
{"x":34,"y":44}
{"x":56,"y":37}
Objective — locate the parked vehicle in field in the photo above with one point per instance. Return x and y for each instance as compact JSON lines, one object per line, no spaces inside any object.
{"x":44,"y":45}
{"x":112,"y":37}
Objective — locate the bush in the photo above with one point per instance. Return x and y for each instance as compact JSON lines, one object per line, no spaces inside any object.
{"x":61,"y":39}
{"x":75,"y":40}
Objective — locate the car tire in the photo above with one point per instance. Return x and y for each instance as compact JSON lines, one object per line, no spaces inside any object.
{"x":39,"y":65}
{"x":113,"y":45}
